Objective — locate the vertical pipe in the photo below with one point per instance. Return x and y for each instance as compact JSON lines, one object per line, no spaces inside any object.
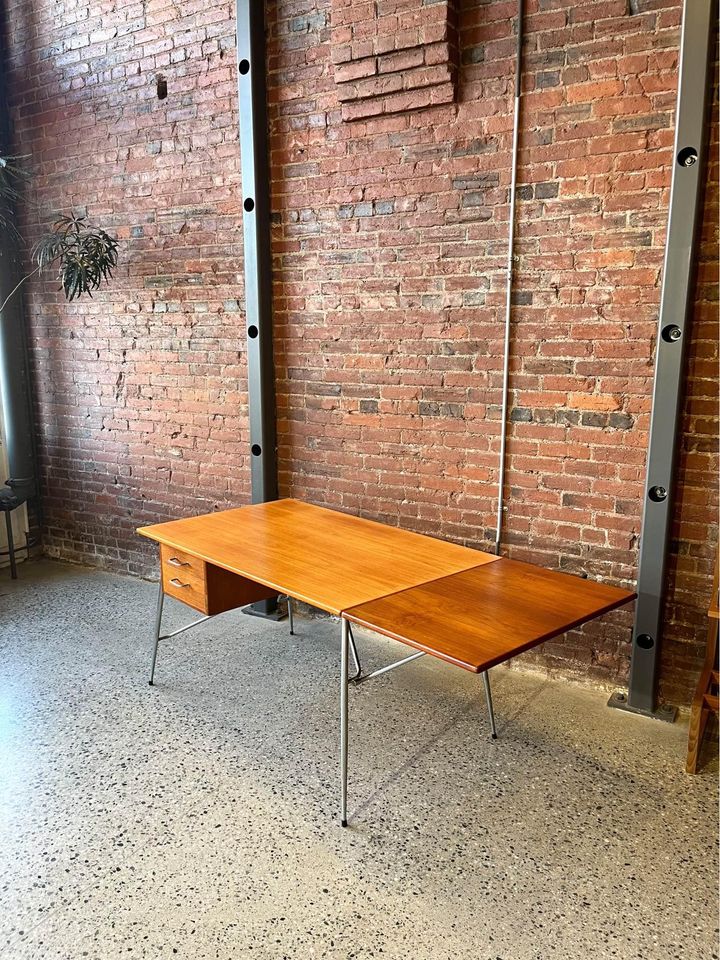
{"x":509,"y":281}
{"x":15,"y":383}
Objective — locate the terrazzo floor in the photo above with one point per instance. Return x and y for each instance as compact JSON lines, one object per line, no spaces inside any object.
{"x":197,"y":819}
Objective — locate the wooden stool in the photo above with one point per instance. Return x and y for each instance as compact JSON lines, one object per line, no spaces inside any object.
{"x":706,"y":695}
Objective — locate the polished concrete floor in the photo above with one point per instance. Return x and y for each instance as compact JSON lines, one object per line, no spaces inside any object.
{"x":198,"y":818}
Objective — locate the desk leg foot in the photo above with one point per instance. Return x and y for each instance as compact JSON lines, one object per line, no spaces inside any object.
{"x":488,"y":696}
{"x":343,"y":823}
{"x":158,"y":621}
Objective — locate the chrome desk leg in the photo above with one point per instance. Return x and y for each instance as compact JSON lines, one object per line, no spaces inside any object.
{"x":290,"y":616}
{"x":488,"y":694}
{"x":354,"y":652}
{"x":344,"y":636}
{"x":158,"y":620}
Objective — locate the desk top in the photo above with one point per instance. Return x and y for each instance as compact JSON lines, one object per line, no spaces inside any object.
{"x":328,"y":559}
{"x":482,"y":616}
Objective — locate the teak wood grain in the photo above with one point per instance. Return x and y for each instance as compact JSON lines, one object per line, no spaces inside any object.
{"x":328,"y":559}
{"x":483,"y":616}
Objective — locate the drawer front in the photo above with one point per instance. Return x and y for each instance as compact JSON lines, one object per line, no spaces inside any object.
{"x":188,"y":591}
{"x":184,"y":577}
{"x":177,"y":563}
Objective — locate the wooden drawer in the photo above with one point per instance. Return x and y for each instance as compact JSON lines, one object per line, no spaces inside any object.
{"x":205,"y":587}
{"x":184,"y":566}
{"x":184,"y":577}
{"x":191,"y":592}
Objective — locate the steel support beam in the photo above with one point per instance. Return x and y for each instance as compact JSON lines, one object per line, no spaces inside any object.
{"x":252,"y":99}
{"x":672,"y":337}
{"x":15,"y":379}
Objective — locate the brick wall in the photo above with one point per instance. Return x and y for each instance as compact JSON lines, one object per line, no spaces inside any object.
{"x":141,"y":390}
{"x":389,"y":243}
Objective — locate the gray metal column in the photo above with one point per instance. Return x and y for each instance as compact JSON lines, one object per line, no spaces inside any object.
{"x":15,"y":383}
{"x":257,"y":254}
{"x":688,"y":172}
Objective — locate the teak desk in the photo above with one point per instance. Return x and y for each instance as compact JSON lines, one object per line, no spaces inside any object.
{"x":466,"y":607}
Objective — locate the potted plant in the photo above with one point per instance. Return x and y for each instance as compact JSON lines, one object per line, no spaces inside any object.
{"x":84,"y":255}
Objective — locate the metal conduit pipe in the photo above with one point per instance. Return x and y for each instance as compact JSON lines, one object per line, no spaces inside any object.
{"x":509,"y":281}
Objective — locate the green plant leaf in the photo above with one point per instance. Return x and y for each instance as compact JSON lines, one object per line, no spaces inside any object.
{"x":85,"y":255}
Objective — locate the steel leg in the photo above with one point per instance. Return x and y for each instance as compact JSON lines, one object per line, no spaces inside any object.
{"x":488,"y":694}
{"x":290,"y":616}
{"x":344,"y":637}
{"x":11,"y":545}
{"x":158,"y":620}
{"x":356,"y":658}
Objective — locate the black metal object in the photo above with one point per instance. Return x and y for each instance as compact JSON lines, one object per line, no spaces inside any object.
{"x":11,"y":544}
{"x":252,"y":97}
{"x":10,"y":500}
{"x":673,"y":329}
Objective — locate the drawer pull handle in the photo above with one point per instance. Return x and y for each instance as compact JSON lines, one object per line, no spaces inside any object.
{"x":176,"y":583}
{"x":173,"y":561}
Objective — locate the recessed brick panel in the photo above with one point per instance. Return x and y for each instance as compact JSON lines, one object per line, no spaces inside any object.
{"x":393,"y":57}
